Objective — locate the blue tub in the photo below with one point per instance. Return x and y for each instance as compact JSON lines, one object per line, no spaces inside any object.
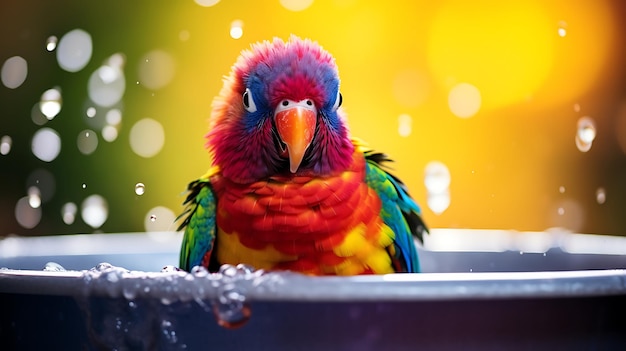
{"x":549,"y":290}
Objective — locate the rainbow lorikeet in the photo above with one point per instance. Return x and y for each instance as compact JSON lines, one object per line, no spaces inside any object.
{"x":289,"y":189}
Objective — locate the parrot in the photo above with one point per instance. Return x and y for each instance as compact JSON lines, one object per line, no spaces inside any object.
{"x":289,"y":189}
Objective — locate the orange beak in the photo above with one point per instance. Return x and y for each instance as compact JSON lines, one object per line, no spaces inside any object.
{"x":296,"y":127}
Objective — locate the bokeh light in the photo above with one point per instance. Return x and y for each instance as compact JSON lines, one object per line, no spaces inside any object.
{"x":94,"y":211}
{"x":44,"y":181}
{"x":159,"y":219}
{"x":14,"y":72}
{"x":156,"y":69}
{"x":405,"y":125}
{"x":50,"y":103}
{"x":464,"y":100}
{"x":87,"y":141}
{"x":74,"y":50}
{"x":27,"y":216}
{"x":140,"y":189}
{"x":51,"y":43}
{"x":68,"y":212}
{"x":296,"y":5}
{"x":46,"y":144}
{"x":206,"y":3}
{"x":5,"y":145}
{"x":106,"y":86}
{"x":236,"y":29}
{"x":147,"y":137}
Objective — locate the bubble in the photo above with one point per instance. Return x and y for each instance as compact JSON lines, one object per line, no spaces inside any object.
{"x":68,"y":212}
{"x":236,"y":29}
{"x":140,"y":188}
{"x":50,"y":103}
{"x":231,"y":310}
{"x":168,"y":332}
{"x":53,"y":267}
{"x":207,"y":3}
{"x":156,"y":69}
{"x":601,"y":196}
{"x":34,"y":198}
{"x":27,"y":216}
{"x":87,"y":141}
{"x":404,"y":125}
{"x":106,"y":86}
{"x":94,"y":211}
{"x":296,"y":5}
{"x":51,"y":43}
{"x":464,"y":100}
{"x":147,"y":137}
{"x":438,"y":202}
{"x":109,"y":133}
{"x":5,"y":145}
{"x":45,"y":182}
{"x":14,"y":72}
{"x":74,"y":50}
{"x":437,"y":177}
{"x":46,"y":144}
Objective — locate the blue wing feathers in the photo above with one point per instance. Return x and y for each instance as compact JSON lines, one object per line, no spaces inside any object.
{"x":399,"y":211}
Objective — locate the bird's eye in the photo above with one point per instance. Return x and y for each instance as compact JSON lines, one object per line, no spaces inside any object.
{"x":338,"y":100}
{"x":285,"y":102}
{"x":248,"y":101}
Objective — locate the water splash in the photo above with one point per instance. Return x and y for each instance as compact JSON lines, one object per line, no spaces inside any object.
{"x":53,"y":267}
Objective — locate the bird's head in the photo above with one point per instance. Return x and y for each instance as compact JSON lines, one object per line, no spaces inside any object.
{"x":279,"y":113}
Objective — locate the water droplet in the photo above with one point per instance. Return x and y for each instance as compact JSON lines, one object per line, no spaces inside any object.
{"x":84,"y":186}
{"x":170,"y":269}
{"x":228,"y":270}
{"x":5,"y":145}
{"x":199,"y":271}
{"x":153,"y":218}
{"x":600,"y":196}
{"x":51,"y":43}
{"x":140,"y":188}
{"x":236,"y":29}
{"x":50,"y":103}
{"x":165,"y":223}
{"x":46,"y":144}
{"x":585,"y":134}
{"x":53,"y":267}
{"x":245,"y":268}
{"x":586,"y":129}
{"x":231,"y":311}
{"x":561,"y":189}
{"x":68,"y":212}
{"x":168,"y":332}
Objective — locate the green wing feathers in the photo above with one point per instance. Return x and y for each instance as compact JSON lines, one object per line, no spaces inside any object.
{"x":399,"y":211}
{"x":199,"y":225}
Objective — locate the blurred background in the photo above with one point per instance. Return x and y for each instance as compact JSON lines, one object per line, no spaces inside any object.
{"x":499,"y":115}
